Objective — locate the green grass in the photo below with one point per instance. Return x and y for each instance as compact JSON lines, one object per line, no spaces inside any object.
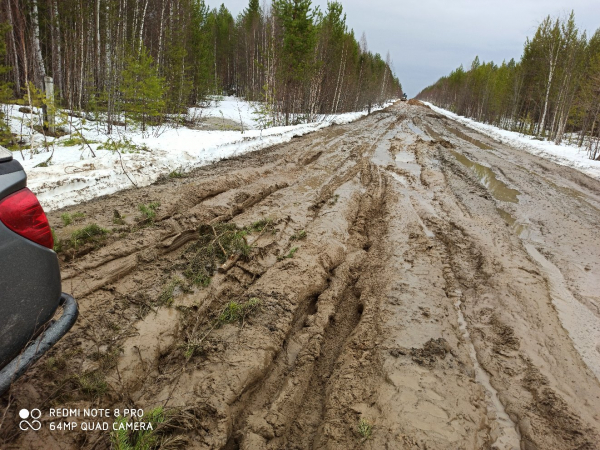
{"x":176,"y":174}
{"x":298,"y":236}
{"x":146,"y":439}
{"x":215,"y":245}
{"x":93,"y":384}
{"x":237,"y":312}
{"x":149,"y":211}
{"x":123,"y":146}
{"x":70,"y":218}
{"x":365,"y":429}
{"x":118,"y":219}
{"x":90,"y":233}
{"x":167,"y":294}
{"x":290,"y":254}
{"x":75,"y":140}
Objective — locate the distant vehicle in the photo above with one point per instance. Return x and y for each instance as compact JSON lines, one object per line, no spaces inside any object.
{"x":30,"y":284}
{"x":404,"y":97}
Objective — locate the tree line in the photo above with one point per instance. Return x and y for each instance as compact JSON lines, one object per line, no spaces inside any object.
{"x":149,"y":58}
{"x":552,"y":93}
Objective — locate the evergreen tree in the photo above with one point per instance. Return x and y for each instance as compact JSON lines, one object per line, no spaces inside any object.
{"x":142,"y":89}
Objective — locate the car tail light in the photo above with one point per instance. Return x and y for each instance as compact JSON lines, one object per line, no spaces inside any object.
{"x":23,"y":214}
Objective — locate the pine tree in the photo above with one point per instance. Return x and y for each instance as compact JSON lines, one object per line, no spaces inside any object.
{"x":142,"y":89}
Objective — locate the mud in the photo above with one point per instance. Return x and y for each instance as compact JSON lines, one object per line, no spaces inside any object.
{"x":401,"y":273}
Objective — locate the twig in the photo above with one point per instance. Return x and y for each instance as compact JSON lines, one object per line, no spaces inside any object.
{"x":123,"y":167}
{"x":218,"y":242}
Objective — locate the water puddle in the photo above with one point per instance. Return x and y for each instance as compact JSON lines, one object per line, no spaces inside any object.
{"x":468,"y":138}
{"x":415,"y":129}
{"x":406,"y":161}
{"x":434,"y":135}
{"x":382,"y":156}
{"x":519,"y":228}
{"x":487,"y":177}
{"x":582,"y":325}
{"x":402,"y":180}
{"x":508,"y":438}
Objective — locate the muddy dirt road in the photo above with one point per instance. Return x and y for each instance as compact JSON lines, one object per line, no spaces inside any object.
{"x":400,"y":282}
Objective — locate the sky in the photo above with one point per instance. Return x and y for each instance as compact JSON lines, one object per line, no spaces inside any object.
{"x":427,"y":39}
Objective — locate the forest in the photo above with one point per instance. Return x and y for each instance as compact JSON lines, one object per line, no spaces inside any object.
{"x":150,"y":59}
{"x":552,"y":93}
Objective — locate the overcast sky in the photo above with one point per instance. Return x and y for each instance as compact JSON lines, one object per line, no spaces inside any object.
{"x":429,"y":38}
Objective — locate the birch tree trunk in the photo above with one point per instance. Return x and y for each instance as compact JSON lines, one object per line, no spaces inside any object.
{"x":40,"y":70}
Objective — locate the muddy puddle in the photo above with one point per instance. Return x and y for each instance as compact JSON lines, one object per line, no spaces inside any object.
{"x":468,"y":138}
{"x":415,"y":129}
{"x":520,"y":229}
{"x":487,"y":177}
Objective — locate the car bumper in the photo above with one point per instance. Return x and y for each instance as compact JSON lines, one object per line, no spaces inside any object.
{"x":56,"y":330}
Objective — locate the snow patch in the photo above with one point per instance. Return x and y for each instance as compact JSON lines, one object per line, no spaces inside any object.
{"x":74,"y":176}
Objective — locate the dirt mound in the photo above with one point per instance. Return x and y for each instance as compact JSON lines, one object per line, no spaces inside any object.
{"x":415,"y":102}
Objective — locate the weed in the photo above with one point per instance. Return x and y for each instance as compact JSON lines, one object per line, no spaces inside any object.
{"x":76,"y":140}
{"x":68,"y":219}
{"x":58,"y":245}
{"x":90,"y":233}
{"x":176,"y":174}
{"x":126,"y":436}
{"x":233,"y":312}
{"x":149,"y":211}
{"x":216,"y":244}
{"x":237,"y":312}
{"x":290,"y":254}
{"x":55,"y":363}
{"x":333,"y":200}
{"x":93,"y":383}
{"x":365,"y":429}
{"x":167,"y":294}
{"x":106,"y":360}
{"x":260,"y":225}
{"x":124,"y":145}
{"x":298,"y":236}
{"x":118,"y":219}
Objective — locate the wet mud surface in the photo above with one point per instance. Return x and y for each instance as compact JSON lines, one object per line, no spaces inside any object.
{"x":400,"y":282}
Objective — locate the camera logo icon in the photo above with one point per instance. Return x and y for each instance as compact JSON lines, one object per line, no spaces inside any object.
{"x":34,"y":414}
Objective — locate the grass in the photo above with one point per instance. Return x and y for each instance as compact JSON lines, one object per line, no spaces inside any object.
{"x":167,"y":294}
{"x":68,"y":219}
{"x":55,"y":363}
{"x":365,"y":429}
{"x":149,"y":211}
{"x":237,"y":312}
{"x":176,"y":174}
{"x":290,"y":254}
{"x":216,"y":244}
{"x":118,"y":219}
{"x":232,"y":313}
{"x":146,"y":439}
{"x":123,"y":146}
{"x":298,"y":236}
{"x":76,"y":140}
{"x":91,"y":233}
{"x":93,"y":384}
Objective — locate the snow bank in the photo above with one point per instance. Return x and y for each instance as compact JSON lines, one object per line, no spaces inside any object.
{"x":564,"y":154}
{"x":74,"y":176}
